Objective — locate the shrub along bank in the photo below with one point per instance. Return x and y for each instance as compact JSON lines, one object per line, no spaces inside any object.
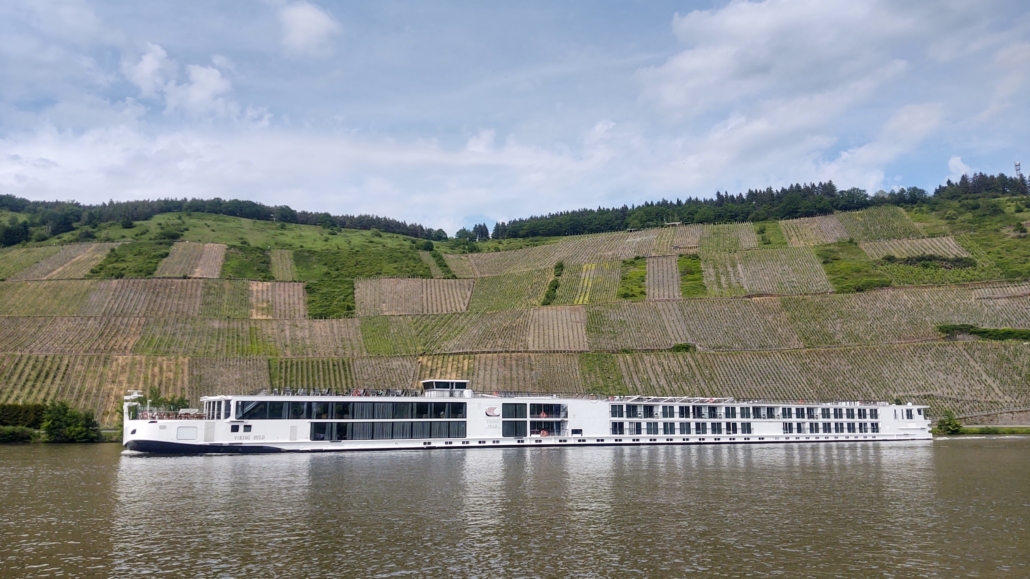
{"x":59,"y":423}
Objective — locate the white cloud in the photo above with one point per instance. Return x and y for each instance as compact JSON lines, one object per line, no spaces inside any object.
{"x":956,"y":168}
{"x":151,"y":72}
{"x":307,"y":30}
{"x":482,"y":142}
{"x":202,"y":94}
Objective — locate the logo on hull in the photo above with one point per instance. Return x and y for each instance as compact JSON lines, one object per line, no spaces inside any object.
{"x":492,"y":411}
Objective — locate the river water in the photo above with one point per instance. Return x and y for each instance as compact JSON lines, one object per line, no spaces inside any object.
{"x":951,"y":508}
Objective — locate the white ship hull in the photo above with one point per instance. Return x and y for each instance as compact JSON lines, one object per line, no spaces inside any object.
{"x":461,"y":419}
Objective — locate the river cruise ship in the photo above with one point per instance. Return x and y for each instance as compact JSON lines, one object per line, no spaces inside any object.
{"x":448,"y":414}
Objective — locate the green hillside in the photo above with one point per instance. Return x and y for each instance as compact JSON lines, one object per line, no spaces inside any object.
{"x":844,"y":305}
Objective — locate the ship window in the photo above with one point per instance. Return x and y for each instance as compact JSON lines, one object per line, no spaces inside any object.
{"x":227,"y":409}
{"x":421,"y":410}
{"x":875,"y":426}
{"x":874,"y":414}
{"x":863,"y":427}
{"x":684,"y":428}
{"x":276,"y":410}
{"x":745,"y":428}
{"x":618,"y":428}
{"x":826,"y":428}
{"x":716,"y":428}
{"x":382,"y":430}
{"x":730,"y":411}
{"x":850,"y":413}
{"x":402,"y":410}
{"x":382,"y":410}
{"x":341,"y":410}
{"x":509,"y":410}
{"x":863,"y":414}
{"x":851,"y":427}
{"x":234,"y":428}
{"x":545,"y":428}
{"x":919,"y":411}
{"x":514,"y":428}
{"x":684,"y":412}
{"x":838,"y":427}
{"x":421,"y":429}
{"x":745,"y":412}
{"x":438,"y":410}
{"x":617,"y":411}
{"x":713,"y":412}
{"x":786,"y":413}
{"x":824,"y":413}
{"x":320,"y":430}
{"x":649,"y":411}
{"x":632,"y":411}
{"x":251,"y":410}
{"x":759,"y":412}
{"x":457,"y":410}
{"x":401,"y":430}
{"x":813,"y":428}
{"x":320,"y":410}
{"x":731,"y":428}
{"x":546,"y":411}
{"x":247,"y":427}
{"x":669,"y":427}
{"x":799,"y":413}
{"x":460,"y":385}
{"x":668,"y":412}
{"x":700,"y":428}
{"x":810,"y":413}
{"x":635,"y":427}
{"x":652,"y":428}
{"x":299,"y":410}
{"x":361,"y":430}
{"x":457,"y":429}
{"x":697,"y":411}
{"x":770,"y":412}
{"x":838,"y":413}
{"x":788,"y":428}
{"x":908,"y":414}
{"x":440,"y":430}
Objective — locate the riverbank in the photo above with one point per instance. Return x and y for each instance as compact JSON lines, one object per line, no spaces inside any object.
{"x":987,"y":430}
{"x":23,"y":435}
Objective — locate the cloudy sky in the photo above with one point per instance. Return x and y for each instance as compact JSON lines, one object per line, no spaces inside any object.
{"x":452,"y":113}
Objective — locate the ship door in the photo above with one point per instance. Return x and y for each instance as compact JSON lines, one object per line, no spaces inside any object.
{"x":293,"y":433}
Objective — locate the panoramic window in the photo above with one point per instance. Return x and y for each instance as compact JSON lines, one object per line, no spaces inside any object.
{"x":509,"y":410}
{"x":547,"y":411}
{"x":250,"y":410}
{"x":514,"y":428}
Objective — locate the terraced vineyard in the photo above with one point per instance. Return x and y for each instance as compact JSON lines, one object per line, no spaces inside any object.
{"x":809,"y":231}
{"x":793,"y":270}
{"x":942,"y":246}
{"x":282,"y":265}
{"x":13,"y":260}
{"x":89,"y":340}
{"x":883,"y":222}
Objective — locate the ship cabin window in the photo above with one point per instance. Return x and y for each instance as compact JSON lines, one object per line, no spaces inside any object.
{"x":874,"y":414}
{"x":874,"y":426}
{"x":908,"y":414}
{"x":547,"y":411}
{"x":786,"y":413}
{"x":799,"y":413}
{"x":684,"y":412}
{"x":745,"y":412}
{"x":863,"y":427}
{"x":684,"y":428}
{"x":668,"y":412}
{"x":838,"y":428}
{"x":813,"y":428}
{"x":770,"y":412}
{"x":826,"y":428}
{"x":731,"y":428}
{"x":234,"y":428}
{"x":649,"y":411}
{"x":851,"y":427}
{"x":730,"y":411}
{"x":632,"y":411}
{"x":545,"y":428}
{"x":618,"y":428}
{"x":250,"y":410}
{"x":668,"y":428}
{"x":299,"y":410}
{"x":863,"y":414}
{"x":759,"y":412}
{"x":386,"y":430}
{"x":512,"y":410}
{"x":850,"y":413}
{"x":636,"y":427}
{"x":919,"y":411}
{"x":320,"y":410}
{"x":700,"y":428}
{"x":227,"y":409}
{"x":745,"y":428}
{"x":697,"y":411}
{"x":445,"y":385}
{"x":788,"y":428}
{"x":716,"y":428}
{"x":713,"y":412}
{"x":838,"y":413}
{"x":514,"y":429}
{"x":824,"y":413}
{"x":618,"y":411}
{"x":810,"y":413}
{"x":652,"y":428}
